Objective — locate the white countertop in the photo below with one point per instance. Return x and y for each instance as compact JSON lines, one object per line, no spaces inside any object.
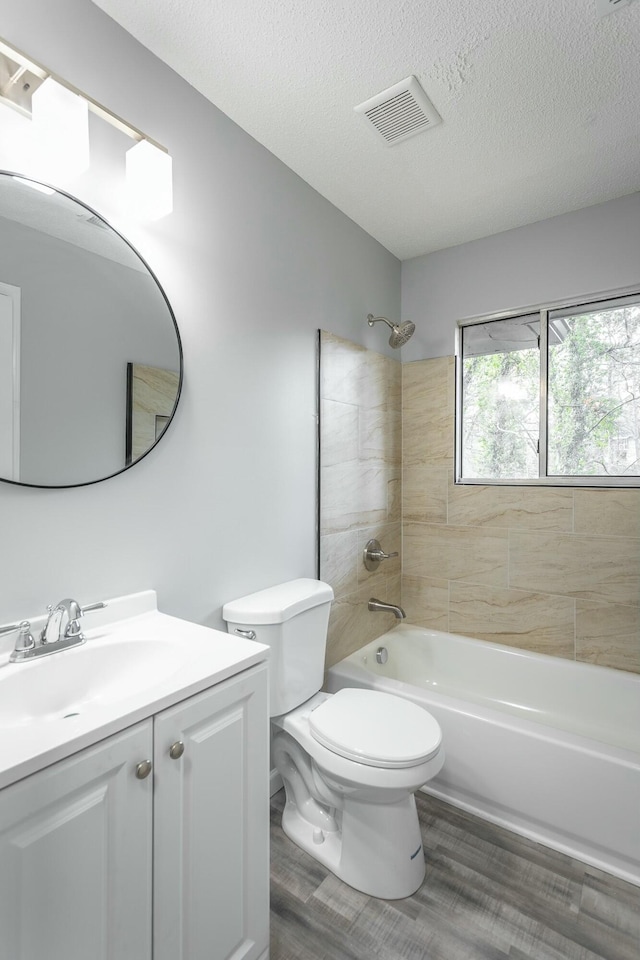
{"x":201,"y":657}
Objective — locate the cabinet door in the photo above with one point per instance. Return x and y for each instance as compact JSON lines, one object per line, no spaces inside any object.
{"x":75,"y":856}
{"x":211,"y":824}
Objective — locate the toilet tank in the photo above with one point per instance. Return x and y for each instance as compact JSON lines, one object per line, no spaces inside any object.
{"x":292,"y":619}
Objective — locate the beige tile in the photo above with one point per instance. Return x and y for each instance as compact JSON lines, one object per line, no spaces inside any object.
{"x":590,"y":568}
{"x":530,"y":507}
{"x":614,"y":513}
{"x":379,"y":435}
{"x":373,"y":476}
{"x":389,"y":537}
{"x":394,"y":498}
{"x":424,"y":492}
{"x":339,"y":507}
{"x":338,"y":432}
{"x":339,"y":561}
{"x":340,"y":368}
{"x":389,"y":591}
{"x":352,"y":625}
{"x":428,"y":384}
{"x":426,"y":602}
{"x":375,"y":381}
{"x":349,"y":373}
{"x":608,"y":634}
{"x":394,"y":385}
{"x":478,"y":554}
{"x":375,"y":505}
{"x":518,"y":618}
{"x":348,"y":626}
{"x":428,"y":411}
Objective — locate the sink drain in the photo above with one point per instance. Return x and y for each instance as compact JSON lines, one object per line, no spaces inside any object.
{"x":67,"y":715}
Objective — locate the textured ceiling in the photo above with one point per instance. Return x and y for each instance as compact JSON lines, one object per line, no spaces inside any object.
{"x":539,"y":100}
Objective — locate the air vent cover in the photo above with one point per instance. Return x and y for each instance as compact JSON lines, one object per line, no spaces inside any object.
{"x":400,"y":112}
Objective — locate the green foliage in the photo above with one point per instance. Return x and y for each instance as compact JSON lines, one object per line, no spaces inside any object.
{"x":500,"y":419}
{"x":594,"y":395}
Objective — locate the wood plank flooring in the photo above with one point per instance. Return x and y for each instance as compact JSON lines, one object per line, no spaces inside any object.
{"x":488,"y":895}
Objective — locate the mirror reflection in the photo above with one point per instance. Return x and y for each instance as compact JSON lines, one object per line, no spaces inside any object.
{"x":90,"y":355}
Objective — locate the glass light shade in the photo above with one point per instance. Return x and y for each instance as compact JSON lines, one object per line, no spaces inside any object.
{"x":15,"y":140}
{"x":60,"y":121}
{"x":149,"y":181}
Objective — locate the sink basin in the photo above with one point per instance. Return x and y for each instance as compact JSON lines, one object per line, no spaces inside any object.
{"x":68,"y":683}
{"x":136,"y":662}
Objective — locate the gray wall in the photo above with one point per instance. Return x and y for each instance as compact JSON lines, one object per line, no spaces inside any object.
{"x":253,"y":261}
{"x":577,"y":254}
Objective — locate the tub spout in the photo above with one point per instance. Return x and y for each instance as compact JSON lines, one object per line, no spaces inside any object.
{"x":398,"y":612}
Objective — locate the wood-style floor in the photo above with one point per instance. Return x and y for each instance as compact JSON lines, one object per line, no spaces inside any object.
{"x":488,"y":895}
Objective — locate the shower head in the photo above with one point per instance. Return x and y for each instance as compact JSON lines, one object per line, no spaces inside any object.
{"x":400,"y":332}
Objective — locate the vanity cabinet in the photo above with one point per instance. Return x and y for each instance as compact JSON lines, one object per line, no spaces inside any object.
{"x":211,"y":824}
{"x":76,"y":854}
{"x":99,"y":862}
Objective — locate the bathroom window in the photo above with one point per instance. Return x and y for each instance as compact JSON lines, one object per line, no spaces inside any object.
{"x":551,"y":396}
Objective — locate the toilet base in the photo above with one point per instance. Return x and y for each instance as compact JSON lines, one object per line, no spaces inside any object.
{"x":377,"y":849}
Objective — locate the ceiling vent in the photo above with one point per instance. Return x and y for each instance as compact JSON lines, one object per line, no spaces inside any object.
{"x":402,"y":111}
{"x":605,"y":7}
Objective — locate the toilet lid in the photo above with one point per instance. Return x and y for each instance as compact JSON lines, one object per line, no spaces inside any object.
{"x":375,"y":728}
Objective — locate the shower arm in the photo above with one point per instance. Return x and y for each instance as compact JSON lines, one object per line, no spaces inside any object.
{"x":371,"y":320}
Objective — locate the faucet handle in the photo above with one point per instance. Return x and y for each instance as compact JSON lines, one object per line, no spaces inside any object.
{"x":94,"y":606}
{"x":24,"y":641}
{"x":24,"y":628}
{"x":373,"y":554}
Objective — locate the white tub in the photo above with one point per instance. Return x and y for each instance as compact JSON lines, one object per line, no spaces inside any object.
{"x":546,"y":747}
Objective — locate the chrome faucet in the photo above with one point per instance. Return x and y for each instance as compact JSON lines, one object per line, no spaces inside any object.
{"x":375,"y":605}
{"x":63,"y":622}
{"x":62,"y":630}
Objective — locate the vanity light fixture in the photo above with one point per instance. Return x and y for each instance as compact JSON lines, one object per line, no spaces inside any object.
{"x":149,"y":181}
{"x":60,"y":124}
{"x":59,"y":132}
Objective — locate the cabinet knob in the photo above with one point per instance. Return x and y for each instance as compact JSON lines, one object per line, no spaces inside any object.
{"x":176,"y":750}
{"x":143,"y":769}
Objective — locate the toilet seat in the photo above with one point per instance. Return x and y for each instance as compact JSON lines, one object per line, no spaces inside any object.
{"x":375,"y":728}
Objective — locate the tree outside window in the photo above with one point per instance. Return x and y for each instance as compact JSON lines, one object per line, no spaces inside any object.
{"x":552,"y":396}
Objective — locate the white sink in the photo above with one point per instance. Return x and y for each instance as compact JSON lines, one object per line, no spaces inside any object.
{"x":128,"y":669}
{"x":73,"y":681}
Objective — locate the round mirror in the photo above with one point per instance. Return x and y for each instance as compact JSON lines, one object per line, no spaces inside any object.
{"x":90,"y":354}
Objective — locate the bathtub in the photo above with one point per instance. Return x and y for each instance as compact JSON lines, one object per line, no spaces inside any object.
{"x":540,"y":745}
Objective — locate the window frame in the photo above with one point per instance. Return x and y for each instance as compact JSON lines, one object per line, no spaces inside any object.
{"x":543,"y":310}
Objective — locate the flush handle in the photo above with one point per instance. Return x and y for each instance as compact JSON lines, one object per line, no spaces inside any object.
{"x":176,"y":750}
{"x":248,"y":634}
{"x":143,"y":769}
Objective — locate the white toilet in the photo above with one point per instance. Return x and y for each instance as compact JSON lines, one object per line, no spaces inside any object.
{"x":352,"y":761}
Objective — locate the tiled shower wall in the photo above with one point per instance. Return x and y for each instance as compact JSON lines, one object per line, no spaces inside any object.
{"x":551,"y":569}
{"x":360,"y":467}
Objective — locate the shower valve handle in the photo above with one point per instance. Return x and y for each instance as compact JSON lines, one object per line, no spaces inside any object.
{"x":373,"y":554}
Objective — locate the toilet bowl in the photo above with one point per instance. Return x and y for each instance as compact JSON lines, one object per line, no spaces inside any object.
{"x":350,"y":761}
{"x":358,"y":816}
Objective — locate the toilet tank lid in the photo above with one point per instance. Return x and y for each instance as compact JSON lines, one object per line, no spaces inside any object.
{"x":279,"y":603}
